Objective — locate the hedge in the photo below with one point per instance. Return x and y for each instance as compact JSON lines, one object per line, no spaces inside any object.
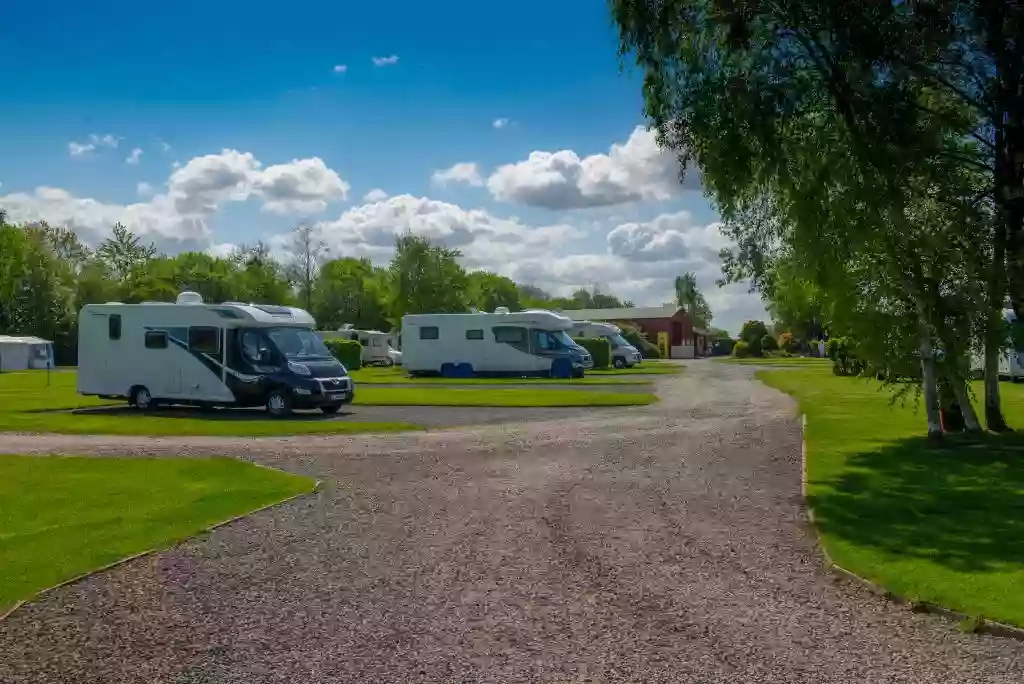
{"x":637,"y":338}
{"x":741,"y":349}
{"x":600,"y":349}
{"x":349,"y":352}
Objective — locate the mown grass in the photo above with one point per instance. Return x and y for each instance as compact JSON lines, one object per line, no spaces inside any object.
{"x":375,"y":375}
{"x":62,"y":516}
{"x":940,"y":524}
{"x":809,"y":361}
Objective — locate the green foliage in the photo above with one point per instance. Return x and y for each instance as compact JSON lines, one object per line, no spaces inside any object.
{"x":768,"y":344}
{"x":488,"y":291}
{"x":841,"y":351}
{"x":741,"y":349}
{"x":690,"y":298}
{"x":348,"y":352}
{"x":788,"y":343}
{"x":638,"y":339}
{"x":426,"y":278}
{"x":351,"y":291}
{"x":753,"y":331}
{"x":600,"y":349}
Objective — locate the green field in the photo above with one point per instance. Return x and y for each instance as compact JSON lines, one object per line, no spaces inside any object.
{"x":774,"y":361}
{"x":62,"y":516}
{"x":939,"y":524}
{"x":28,"y":404}
{"x":376,"y":375}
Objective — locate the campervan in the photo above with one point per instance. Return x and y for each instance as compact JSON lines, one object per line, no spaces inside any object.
{"x":1011,"y":359}
{"x":378,"y":349}
{"x":188,"y":352}
{"x":624,"y":355}
{"x":517,"y":344}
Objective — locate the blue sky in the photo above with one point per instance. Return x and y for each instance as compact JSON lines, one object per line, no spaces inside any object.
{"x":200,"y":78}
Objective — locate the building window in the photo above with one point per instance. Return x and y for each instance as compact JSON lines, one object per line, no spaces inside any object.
{"x":429,"y":332}
{"x":474,"y":334}
{"x":114,"y":326}
{"x":508,"y":335}
{"x":156,"y":339}
{"x":204,"y":340}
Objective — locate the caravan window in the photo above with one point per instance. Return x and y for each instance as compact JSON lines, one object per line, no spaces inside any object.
{"x":114,"y":326}
{"x":429,"y":332}
{"x":205,"y":340}
{"x":156,"y":339}
{"x":544,"y":340}
{"x":474,"y":334}
{"x":508,"y":335}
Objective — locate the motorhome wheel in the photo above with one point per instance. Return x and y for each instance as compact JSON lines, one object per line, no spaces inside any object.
{"x":141,"y":398}
{"x":619,"y":362}
{"x":279,"y":404}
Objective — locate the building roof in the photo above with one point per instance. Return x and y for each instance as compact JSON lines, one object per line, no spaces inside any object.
{"x":626,"y":314}
{"x":27,"y":339}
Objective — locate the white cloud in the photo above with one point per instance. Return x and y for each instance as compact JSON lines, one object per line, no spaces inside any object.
{"x":375,"y":195}
{"x":462,"y":172}
{"x":340,"y":68}
{"x":385,"y":61}
{"x":163,"y":145}
{"x":635,"y":170}
{"x":144,"y":189}
{"x":79,"y":149}
{"x":107,"y":140}
{"x":134,"y":157}
{"x":668,"y":237}
{"x":303,"y":186}
{"x":500,"y":123}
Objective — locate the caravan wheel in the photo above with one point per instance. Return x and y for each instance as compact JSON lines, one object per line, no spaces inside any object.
{"x":279,"y":404}
{"x":141,"y":398}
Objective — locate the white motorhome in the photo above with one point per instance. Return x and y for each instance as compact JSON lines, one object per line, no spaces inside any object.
{"x":377,"y":346}
{"x":624,"y":355}
{"x":188,"y":352}
{"x":1011,"y":360}
{"x":518,"y":344}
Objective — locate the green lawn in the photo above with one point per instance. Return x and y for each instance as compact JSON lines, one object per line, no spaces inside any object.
{"x":939,"y":524}
{"x":650,"y":367}
{"x":775,"y":361}
{"x":62,"y":516}
{"x":377,"y":375}
{"x":447,"y":396}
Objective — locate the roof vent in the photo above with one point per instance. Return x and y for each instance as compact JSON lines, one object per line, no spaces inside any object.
{"x":501,"y":310}
{"x":189,"y":298}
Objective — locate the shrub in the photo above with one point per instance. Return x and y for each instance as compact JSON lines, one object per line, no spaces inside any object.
{"x":789,"y":343}
{"x":768,"y":344}
{"x":741,"y":350}
{"x":753,"y":346}
{"x":600,"y":349}
{"x":813,"y":346}
{"x":638,"y":339}
{"x":349,"y":352}
{"x":841,"y":351}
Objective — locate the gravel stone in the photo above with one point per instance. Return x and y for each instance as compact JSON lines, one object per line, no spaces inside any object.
{"x":664,"y":543}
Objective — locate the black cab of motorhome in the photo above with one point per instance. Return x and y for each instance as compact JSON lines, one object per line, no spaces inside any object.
{"x":285,"y":367}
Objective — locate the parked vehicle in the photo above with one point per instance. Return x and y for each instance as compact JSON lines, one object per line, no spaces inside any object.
{"x":1011,"y":360}
{"x":518,"y":344}
{"x":378,"y":349}
{"x":624,"y":355}
{"x":25,"y":353}
{"x":188,"y":352}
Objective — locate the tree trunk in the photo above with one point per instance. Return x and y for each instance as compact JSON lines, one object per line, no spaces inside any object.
{"x":929,"y":383}
{"x":959,"y":388}
{"x":994,"y":329}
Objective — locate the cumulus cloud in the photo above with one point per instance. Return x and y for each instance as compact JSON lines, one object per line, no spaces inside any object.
{"x":144,"y":189}
{"x":303,"y":186}
{"x":632,"y":171}
{"x":500,"y":123}
{"x":668,"y":237}
{"x":375,"y":195}
{"x":340,"y":68}
{"x":462,"y":172}
{"x":385,"y":61}
{"x":134,"y":156}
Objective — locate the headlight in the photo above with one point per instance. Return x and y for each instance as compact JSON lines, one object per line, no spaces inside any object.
{"x":298,"y":368}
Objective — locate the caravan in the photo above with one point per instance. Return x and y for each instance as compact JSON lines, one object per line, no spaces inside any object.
{"x":624,"y":355}
{"x":501,"y":343}
{"x":1011,"y":360}
{"x":188,"y":352}
{"x":378,"y":349}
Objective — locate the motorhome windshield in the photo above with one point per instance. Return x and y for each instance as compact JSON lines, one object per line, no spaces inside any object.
{"x":618,"y":340}
{"x":297,"y":343}
{"x":563,"y":337}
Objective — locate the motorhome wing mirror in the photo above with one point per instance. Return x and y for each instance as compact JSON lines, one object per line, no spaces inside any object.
{"x":265,"y":356}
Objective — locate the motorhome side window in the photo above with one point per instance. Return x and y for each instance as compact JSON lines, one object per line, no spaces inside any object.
{"x":508,"y":335}
{"x":114,"y":326}
{"x":204,"y":340}
{"x":156,"y":339}
{"x":474,"y":334}
{"x":428,"y":332}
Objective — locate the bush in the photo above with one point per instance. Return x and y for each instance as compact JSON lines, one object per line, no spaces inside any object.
{"x":600,"y":349}
{"x":741,"y":350}
{"x":349,"y":352}
{"x":753,"y":346}
{"x":768,"y":344}
{"x":789,"y":343}
{"x":635,"y":337}
{"x":841,"y":351}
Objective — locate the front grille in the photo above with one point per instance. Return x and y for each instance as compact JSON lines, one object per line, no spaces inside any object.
{"x":334,"y":384}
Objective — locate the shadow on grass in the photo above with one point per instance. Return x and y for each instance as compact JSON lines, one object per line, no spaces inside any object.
{"x":960,"y":504}
{"x":192,"y":413}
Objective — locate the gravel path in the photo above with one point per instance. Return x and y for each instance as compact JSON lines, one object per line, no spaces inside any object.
{"x":662,"y":544}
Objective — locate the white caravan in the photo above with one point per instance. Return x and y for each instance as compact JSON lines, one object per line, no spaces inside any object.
{"x":1011,"y":361}
{"x":624,"y":355}
{"x":518,"y":344}
{"x":377,"y":347}
{"x":25,"y":353}
{"x":188,"y":352}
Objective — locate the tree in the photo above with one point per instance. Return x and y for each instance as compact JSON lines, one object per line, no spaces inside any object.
{"x":425,"y":278}
{"x":690,"y":298}
{"x":487,"y":291}
{"x":350,"y":291}
{"x":124,"y":254}
{"x":306,"y":249}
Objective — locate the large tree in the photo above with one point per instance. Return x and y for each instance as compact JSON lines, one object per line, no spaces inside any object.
{"x":306,"y":250}
{"x":689,"y":296}
{"x":426,"y":278}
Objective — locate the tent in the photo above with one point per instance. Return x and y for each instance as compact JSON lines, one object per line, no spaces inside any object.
{"x":23,"y":353}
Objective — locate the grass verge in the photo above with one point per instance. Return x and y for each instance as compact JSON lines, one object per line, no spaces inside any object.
{"x":526,"y":398}
{"x":938,"y":524}
{"x":63,"y":516}
{"x":807,"y":361}
{"x":375,"y":375}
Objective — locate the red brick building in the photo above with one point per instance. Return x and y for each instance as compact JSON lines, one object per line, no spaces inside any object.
{"x":684,"y":340}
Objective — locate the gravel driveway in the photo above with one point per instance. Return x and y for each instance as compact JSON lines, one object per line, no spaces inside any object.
{"x":659,"y":544}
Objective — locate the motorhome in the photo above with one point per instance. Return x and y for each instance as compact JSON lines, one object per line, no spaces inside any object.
{"x":525,"y":343}
{"x":1011,"y":360}
{"x":188,"y":352}
{"x":378,"y":349}
{"x":624,"y":355}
